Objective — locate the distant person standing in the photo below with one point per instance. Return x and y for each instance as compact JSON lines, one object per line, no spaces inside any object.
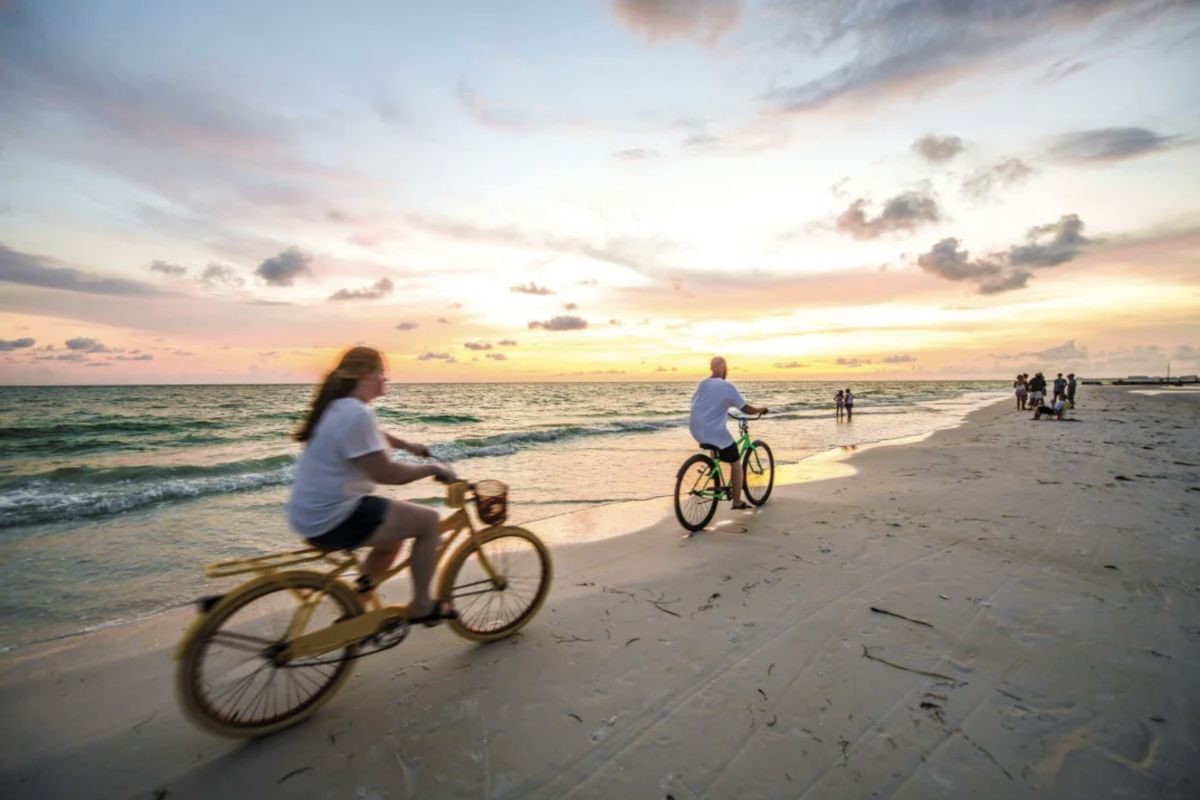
{"x":1037,"y":390}
{"x":839,"y":400}
{"x":713,"y":398}
{"x":1020,"y":390}
{"x":849,"y":400}
{"x":1060,"y":387}
{"x":1071,"y":389}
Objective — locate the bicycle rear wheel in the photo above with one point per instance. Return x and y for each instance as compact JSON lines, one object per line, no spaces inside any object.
{"x":231,"y":678}
{"x":758,"y":473}
{"x":497,"y":584}
{"x":695,"y":493}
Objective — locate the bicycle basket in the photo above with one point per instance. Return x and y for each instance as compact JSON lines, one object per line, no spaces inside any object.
{"x":491,"y":501}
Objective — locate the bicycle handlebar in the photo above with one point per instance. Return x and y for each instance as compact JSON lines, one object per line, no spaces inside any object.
{"x":741,"y":417}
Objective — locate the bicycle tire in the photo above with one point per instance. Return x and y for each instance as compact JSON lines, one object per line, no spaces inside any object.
{"x":693,"y":511}
{"x":487,"y":614}
{"x":759,"y":464}
{"x":302,"y":692}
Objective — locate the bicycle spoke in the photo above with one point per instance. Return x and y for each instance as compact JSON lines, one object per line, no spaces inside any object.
{"x":237,"y":688}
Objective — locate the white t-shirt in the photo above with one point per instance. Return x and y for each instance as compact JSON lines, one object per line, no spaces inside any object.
{"x":713,"y":398}
{"x":328,"y":484}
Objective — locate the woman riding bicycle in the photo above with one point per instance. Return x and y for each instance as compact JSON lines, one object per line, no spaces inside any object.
{"x":344,"y":457}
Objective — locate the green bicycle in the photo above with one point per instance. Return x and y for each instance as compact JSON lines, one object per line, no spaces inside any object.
{"x":699,"y":483}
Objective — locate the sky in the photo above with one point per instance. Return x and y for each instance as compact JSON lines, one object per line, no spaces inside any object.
{"x":524,"y":191}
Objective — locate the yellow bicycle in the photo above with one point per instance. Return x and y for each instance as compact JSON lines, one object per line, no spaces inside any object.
{"x":270,"y":652}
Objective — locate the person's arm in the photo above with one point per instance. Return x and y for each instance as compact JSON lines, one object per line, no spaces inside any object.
{"x":419,"y":450}
{"x":382,"y":469}
{"x":751,"y":411}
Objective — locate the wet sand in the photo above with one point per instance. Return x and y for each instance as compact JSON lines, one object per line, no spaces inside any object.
{"x":1006,"y":609}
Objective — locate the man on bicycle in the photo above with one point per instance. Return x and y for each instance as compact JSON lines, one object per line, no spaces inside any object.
{"x":713,"y":398}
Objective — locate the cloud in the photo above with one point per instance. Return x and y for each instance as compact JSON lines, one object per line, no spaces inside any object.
{"x":1109,"y":144}
{"x":703,"y":141}
{"x":478,"y":345}
{"x":666,"y":369}
{"x":853,"y":362}
{"x":74,"y":357}
{"x":406,"y":326}
{"x":902,"y":358}
{"x":449,"y":359}
{"x":490,"y":114}
{"x":381,"y":288}
{"x":703,"y":20}
{"x":531,"y":288}
{"x":497,"y":356}
{"x":1005,"y":282}
{"x":1067,"y":350}
{"x":284,"y":268}
{"x":561,"y":324}
{"x":570,"y":306}
{"x":789,"y":365}
{"x":16,"y":344}
{"x":84,"y":345}
{"x":170,"y":270}
{"x":443,"y":321}
{"x":937,"y":149}
{"x":1050,"y":245}
{"x":30,"y":270}
{"x":1062,"y":68}
{"x":637,"y":253}
{"x":904,"y":212}
{"x":508,"y":343}
{"x":97,"y":364}
{"x":142,"y":357}
{"x":900,"y":49}
{"x":1185,"y":352}
{"x":637,"y":154}
{"x":1003,"y":271}
{"x":219,"y":273}
{"x":1004,"y":173}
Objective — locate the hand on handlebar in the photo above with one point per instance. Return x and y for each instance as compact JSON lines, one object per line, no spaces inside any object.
{"x":443,"y":474}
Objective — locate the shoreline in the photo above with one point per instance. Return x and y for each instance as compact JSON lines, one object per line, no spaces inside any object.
{"x":605,"y":520}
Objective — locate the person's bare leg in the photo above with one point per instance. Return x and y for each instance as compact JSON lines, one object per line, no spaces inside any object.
{"x":735,"y":476}
{"x":406,"y":521}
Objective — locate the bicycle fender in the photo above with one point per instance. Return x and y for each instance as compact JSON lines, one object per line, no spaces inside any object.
{"x":232,"y":594}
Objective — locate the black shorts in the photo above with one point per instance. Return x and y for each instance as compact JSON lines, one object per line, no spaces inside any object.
{"x":355,"y":529}
{"x":728,"y":454}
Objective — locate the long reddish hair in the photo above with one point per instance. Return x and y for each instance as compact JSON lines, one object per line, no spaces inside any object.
{"x":355,"y":363}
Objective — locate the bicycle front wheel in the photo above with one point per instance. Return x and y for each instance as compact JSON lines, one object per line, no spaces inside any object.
{"x":497,"y":583}
{"x":758,"y":473}
{"x":696,"y":492}
{"x":232,"y":678}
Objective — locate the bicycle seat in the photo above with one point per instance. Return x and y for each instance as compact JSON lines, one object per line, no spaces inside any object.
{"x":712,"y":448}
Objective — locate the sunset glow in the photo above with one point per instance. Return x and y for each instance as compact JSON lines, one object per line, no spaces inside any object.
{"x":208,"y":192}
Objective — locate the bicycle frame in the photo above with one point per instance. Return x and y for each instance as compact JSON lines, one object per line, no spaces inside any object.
{"x":273,"y":568}
{"x":744,"y":445}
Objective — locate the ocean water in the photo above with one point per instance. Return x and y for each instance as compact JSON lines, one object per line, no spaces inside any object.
{"x":113,"y":498}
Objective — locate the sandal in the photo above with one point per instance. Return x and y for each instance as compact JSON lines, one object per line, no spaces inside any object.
{"x":742,"y":506}
{"x":440,"y":612}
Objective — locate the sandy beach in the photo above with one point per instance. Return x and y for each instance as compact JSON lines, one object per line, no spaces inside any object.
{"x":1006,"y":609}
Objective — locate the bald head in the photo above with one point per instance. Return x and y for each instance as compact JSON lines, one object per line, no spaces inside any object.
{"x":718,"y":367}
